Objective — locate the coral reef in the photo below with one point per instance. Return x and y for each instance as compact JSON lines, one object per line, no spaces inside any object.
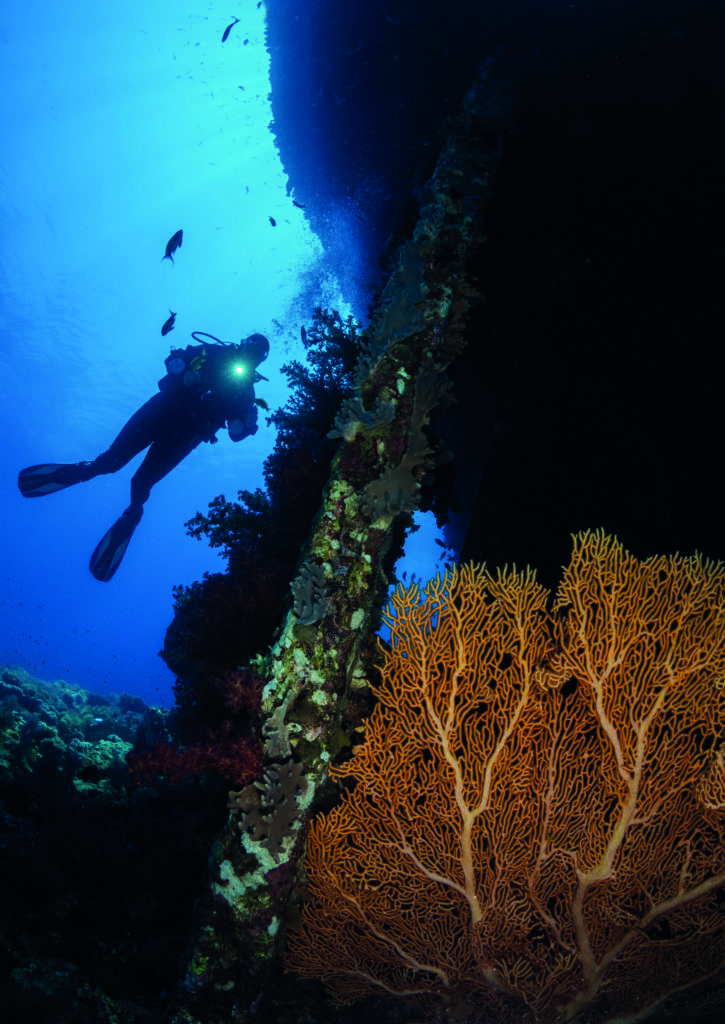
{"x":353,"y":416}
{"x":268,"y":810}
{"x":569,"y":410}
{"x":316,"y":669}
{"x":225,"y":619}
{"x":97,"y":875}
{"x":397,"y":489}
{"x":307,"y":590}
{"x":235,"y":758}
{"x":224,"y":741}
{"x":536,"y":831}
{"x":401,"y":313}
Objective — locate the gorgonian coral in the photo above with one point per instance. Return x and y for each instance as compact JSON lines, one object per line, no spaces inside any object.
{"x":536,"y":831}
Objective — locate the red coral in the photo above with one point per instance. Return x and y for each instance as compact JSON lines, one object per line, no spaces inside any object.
{"x":161,"y":760}
{"x":236,"y":758}
{"x":242,"y":693}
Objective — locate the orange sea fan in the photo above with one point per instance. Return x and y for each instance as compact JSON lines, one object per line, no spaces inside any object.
{"x":535,"y":830}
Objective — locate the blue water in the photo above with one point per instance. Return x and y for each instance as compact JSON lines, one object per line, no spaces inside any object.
{"x":121,"y":126}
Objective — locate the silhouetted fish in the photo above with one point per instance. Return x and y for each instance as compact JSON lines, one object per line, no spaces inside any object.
{"x":303,"y":335}
{"x":169,"y":325}
{"x":273,"y":222}
{"x":172,"y":245}
{"x":228,"y":29}
{"x":300,"y":206}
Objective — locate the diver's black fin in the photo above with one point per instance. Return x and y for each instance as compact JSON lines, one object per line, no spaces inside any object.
{"x":111,"y":549}
{"x":35,"y":481}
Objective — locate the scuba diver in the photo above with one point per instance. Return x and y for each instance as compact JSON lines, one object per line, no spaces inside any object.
{"x":206,"y":386}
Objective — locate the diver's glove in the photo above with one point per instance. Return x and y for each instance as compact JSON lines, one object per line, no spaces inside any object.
{"x":238,"y":429}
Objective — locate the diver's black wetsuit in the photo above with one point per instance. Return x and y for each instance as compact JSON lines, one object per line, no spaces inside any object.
{"x":199,"y":393}
{"x":205,"y":387}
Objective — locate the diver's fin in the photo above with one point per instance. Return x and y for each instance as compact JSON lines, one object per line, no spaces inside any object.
{"x":36,"y":481}
{"x":111,"y":549}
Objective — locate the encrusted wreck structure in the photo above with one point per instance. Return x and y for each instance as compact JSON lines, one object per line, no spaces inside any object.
{"x":317,"y":667}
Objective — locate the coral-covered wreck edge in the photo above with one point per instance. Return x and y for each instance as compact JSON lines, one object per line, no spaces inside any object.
{"x":256,"y":865}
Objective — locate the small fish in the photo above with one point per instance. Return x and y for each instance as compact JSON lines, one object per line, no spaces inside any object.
{"x":172,"y":245}
{"x":169,"y":325}
{"x":303,"y":335}
{"x":273,"y":222}
{"x":228,"y":29}
{"x":300,"y":206}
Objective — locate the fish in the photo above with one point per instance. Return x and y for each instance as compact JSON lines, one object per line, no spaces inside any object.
{"x":172,"y":245}
{"x":169,"y":325}
{"x":300,"y":206}
{"x":303,"y":335}
{"x":228,"y":29}
{"x":273,"y":222}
